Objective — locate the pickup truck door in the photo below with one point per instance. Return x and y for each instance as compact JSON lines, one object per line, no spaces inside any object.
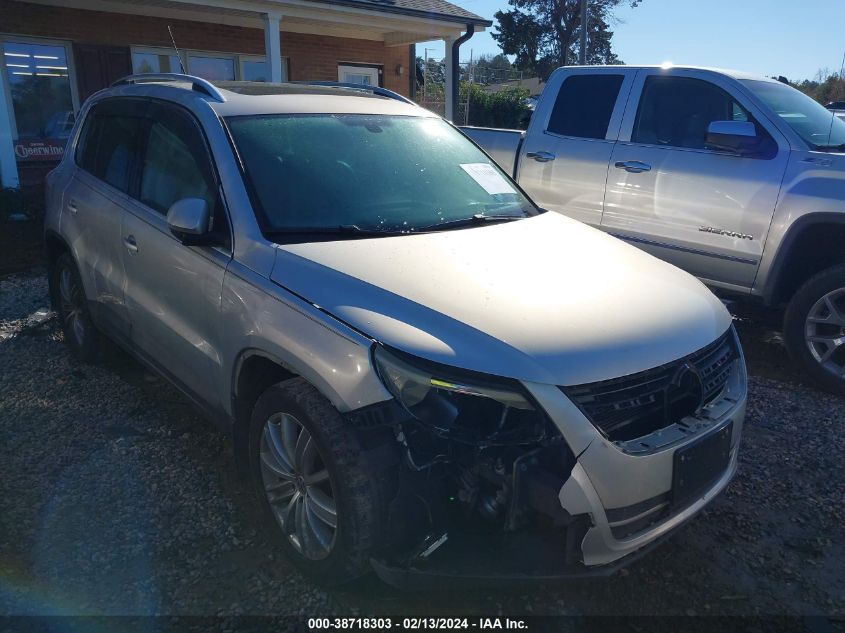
{"x":705,"y":211}
{"x":564,"y":157}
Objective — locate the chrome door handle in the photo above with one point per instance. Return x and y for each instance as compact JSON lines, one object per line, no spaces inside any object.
{"x":541,"y":157}
{"x":633,"y":166}
{"x":130,"y":243}
{"x":71,"y":206}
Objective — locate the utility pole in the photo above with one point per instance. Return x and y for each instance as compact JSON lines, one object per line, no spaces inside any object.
{"x":583,"y":57}
{"x":425,"y":74}
{"x":469,"y":88}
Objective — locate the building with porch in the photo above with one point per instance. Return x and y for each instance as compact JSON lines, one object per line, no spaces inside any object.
{"x":55,"y":53}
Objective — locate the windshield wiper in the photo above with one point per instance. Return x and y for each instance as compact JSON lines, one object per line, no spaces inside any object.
{"x":474,"y":220}
{"x":342,"y":229}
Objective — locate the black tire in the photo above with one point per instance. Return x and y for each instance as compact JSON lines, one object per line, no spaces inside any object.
{"x":795,"y":328}
{"x":80,"y":333}
{"x":354,"y":483}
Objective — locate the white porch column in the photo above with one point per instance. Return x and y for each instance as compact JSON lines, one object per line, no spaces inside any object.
{"x":8,"y":164}
{"x":450,"y":86}
{"x":273,"y":45}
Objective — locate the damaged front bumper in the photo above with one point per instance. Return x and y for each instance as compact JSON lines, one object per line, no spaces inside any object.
{"x":587,"y":548}
{"x":614,"y":500}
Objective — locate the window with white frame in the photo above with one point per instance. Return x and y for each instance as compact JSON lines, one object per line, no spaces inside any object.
{"x":208,"y":65}
{"x":155,"y":61}
{"x":37,"y":80}
{"x":255,"y":68}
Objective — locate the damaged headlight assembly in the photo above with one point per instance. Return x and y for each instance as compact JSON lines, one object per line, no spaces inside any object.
{"x":498,"y":456}
{"x":459,"y":405}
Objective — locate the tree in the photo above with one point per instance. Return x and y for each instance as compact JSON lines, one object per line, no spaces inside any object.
{"x":430,"y":79}
{"x":826,"y":86}
{"x":544,"y":34}
{"x":488,"y":69}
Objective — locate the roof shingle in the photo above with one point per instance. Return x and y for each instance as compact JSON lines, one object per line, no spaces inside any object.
{"x":440,"y":10}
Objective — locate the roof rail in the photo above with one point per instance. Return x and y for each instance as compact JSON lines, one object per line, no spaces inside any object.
{"x":376,"y":90}
{"x":197,"y":83}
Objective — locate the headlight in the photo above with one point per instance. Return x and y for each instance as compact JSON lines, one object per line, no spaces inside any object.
{"x":472,"y":410}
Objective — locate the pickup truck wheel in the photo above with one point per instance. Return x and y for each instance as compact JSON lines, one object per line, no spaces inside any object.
{"x":814,"y":328}
{"x":318,"y":499}
{"x":66,"y":288}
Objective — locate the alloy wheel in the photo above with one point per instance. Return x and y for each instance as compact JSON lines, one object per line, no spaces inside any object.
{"x":72,"y":306}
{"x":824,"y":332}
{"x":298,"y":486}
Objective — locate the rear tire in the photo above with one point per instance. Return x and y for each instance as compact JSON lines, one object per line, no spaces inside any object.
{"x":814,"y":328}
{"x":297,"y":436}
{"x":68,"y":296}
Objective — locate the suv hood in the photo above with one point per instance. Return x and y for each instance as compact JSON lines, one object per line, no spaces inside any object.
{"x":545,"y":299}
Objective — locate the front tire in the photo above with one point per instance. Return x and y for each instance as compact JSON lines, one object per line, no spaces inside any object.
{"x":68,"y":295}
{"x":318,"y":496}
{"x":814,"y":328}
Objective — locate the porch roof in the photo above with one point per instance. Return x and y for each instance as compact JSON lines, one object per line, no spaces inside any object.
{"x":396,"y":22}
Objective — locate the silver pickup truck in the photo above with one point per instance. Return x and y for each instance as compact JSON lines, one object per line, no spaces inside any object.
{"x":737,"y":179}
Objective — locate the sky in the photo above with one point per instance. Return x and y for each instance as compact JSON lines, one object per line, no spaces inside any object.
{"x":766,"y":37}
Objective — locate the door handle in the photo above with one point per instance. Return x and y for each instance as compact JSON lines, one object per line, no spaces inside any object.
{"x":71,"y":206}
{"x":130,"y":243}
{"x":541,"y":156}
{"x":633,"y":166}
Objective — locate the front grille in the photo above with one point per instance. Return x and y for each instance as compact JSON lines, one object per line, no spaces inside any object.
{"x":634,"y":406}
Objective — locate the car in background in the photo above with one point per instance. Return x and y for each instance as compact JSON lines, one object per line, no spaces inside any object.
{"x":838,"y":108}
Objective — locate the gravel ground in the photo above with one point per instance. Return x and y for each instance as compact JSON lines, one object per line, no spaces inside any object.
{"x":117,"y":498}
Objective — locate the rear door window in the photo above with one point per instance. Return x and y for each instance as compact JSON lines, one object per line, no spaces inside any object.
{"x":109,"y":142}
{"x":584,"y":105}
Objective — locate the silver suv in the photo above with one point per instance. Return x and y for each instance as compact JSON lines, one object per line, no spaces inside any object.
{"x":417,"y":366}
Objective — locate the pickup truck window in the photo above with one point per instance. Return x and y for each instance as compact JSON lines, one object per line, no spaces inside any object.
{"x":815,"y":124}
{"x":358,"y":174}
{"x":584,"y":105}
{"x":676,"y":111}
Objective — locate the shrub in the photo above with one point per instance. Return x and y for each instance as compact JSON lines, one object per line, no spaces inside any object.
{"x":12,"y":200}
{"x":505,"y":109}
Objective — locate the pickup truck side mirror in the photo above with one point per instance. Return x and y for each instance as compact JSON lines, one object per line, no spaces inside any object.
{"x":736,"y":137}
{"x":189,"y":220}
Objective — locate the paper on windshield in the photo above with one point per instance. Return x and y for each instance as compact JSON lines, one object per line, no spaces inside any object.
{"x":488,"y":178}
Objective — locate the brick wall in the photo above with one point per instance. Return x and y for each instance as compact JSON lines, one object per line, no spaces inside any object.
{"x":311,"y":56}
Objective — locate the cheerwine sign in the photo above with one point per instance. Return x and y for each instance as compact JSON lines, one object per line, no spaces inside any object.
{"x":44,"y":149}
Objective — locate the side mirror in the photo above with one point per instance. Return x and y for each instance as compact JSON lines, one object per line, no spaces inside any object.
{"x":189,"y":219}
{"x":737,"y":137}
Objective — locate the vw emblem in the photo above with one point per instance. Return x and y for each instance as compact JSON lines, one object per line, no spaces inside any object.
{"x":684,"y":395}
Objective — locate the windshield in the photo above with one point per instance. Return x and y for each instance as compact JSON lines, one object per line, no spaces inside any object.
{"x":369,"y":173}
{"x":812,"y":121}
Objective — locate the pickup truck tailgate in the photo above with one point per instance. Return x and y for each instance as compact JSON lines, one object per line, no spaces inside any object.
{"x":502,"y":145}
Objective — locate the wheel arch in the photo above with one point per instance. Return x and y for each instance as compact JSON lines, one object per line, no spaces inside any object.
{"x":814,"y":242}
{"x":254,"y":371}
{"x":55,"y":246}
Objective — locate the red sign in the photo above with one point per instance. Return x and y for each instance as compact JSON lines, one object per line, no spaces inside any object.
{"x":45,"y":149}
